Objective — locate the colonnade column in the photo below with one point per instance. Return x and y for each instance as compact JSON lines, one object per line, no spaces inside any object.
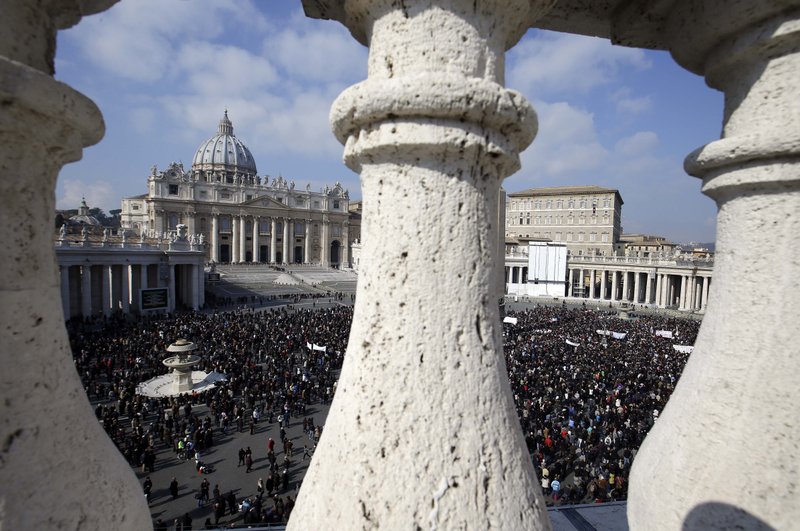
{"x":625,"y":294}
{"x":325,"y":244}
{"x":286,"y":248}
{"x":569,"y":287}
{"x":234,"y":239}
{"x":706,"y":282}
{"x":172,"y":304}
{"x":432,"y":145}
{"x":242,"y":239}
{"x":214,"y":238}
{"x":105,"y":277}
{"x":603,"y":274}
{"x":65,"y":302}
{"x":684,"y":289}
{"x":648,"y":289}
{"x":45,"y":124}
{"x":591,"y":284}
{"x":636,"y":287}
{"x":126,"y":288}
{"x":614,"y":285}
{"x":307,"y":243}
{"x":256,"y":241}
{"x":738,"y":371}
{"x":273,"y":240}
{"x":197,"y":285}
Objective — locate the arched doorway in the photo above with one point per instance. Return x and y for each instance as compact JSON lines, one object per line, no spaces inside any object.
{"x":298,"y":254}
{"x":335,"y":251}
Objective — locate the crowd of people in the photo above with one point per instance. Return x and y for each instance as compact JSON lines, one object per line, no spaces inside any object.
{"x":271,"y":374}
{"x":585,"y":400}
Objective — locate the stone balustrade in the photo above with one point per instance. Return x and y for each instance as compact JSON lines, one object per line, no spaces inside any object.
{"x":422,"y":432}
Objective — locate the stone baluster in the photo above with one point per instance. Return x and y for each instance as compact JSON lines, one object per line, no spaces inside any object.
{"x":423,"y":399}
{"x":52,"y":442}
{"x":718,"y":457}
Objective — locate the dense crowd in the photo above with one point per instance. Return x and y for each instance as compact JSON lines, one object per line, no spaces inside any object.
{"x":584,"y":410}
{"x":270,"y":374}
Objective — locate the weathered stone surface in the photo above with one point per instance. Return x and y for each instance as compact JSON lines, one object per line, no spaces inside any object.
{"x":724,"y":453}
{"x":423,"y":432}
{"x":57,"y":467}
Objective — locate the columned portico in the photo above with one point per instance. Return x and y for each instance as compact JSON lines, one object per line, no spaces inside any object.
{"x":571,"y":282}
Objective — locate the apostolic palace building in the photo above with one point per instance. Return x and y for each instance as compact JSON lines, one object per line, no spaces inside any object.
{"x":241,"y":216}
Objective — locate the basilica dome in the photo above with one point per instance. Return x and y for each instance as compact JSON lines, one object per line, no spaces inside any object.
{"x":224,"y":153}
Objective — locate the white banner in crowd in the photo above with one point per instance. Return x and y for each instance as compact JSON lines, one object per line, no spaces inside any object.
{"x":664,"y":333}
{"x":615,"y":335}
{"x":683,"y":349}
{"x":510,"y":320}
{"x":308,"y":345}
{"x":572,"y":343}
{"x":320,"y":348}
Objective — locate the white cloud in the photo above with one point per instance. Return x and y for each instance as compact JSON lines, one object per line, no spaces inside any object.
{"x":566,"y":147}
{"x":637,"y":144}
{"x":559,"y":63}
{"x":315,"y":52}
{"x":628,"y":104}
{"x":137,"y":40}
{"x":216,"y":69}
{"x":98,"y":194}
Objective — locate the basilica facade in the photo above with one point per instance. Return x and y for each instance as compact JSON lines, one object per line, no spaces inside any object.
{"x":241,"y":216}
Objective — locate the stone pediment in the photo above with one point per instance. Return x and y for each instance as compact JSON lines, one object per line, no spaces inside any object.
{"x":265,"y":202}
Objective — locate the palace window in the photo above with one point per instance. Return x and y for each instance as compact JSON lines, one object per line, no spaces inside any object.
{"x":336,"y":204}
{"x":583,"y":203}
{"x":571,"y":203}
{"x":549,"y":205}
{"x":558,"y":236}
{"x":605,"y":237}
{"x":580,"y":236}
{"x":135,"y":207}
{"x":593,"y":237}
{"x":569,"y":236}
{"x":263,"y":226}
{"x":560,"y":203}
{"x":316,"y":204}
{"x":173,"y":189}
{"x":224,"y":224}
{"x":224,"y":195}
{"x":298,"y":228}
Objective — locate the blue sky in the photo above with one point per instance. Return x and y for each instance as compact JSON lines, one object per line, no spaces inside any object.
{"x":163,"y":71}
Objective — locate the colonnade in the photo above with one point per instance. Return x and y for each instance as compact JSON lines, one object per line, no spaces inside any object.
{"x":278,"y":245}
{"x":93,"y":288}
{"x":516,"y":274}
{"x":681,"y":289}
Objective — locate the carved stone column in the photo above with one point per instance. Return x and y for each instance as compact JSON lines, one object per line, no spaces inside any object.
{"x":307,"y":242}
{"x":724,"y":452}
{"x":242,"y":239}
{"x":273,"y":240}
{"x":53,"y":447}
{"x":256,"y":247}
{"x":235,"y":240}
{"x":286,"y":243}
{"x":215,"y":237}
{"x":423,"y":432}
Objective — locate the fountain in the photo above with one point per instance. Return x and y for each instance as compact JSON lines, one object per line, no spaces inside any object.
{"x":181,"y":365}
{"x":181,"y":379}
